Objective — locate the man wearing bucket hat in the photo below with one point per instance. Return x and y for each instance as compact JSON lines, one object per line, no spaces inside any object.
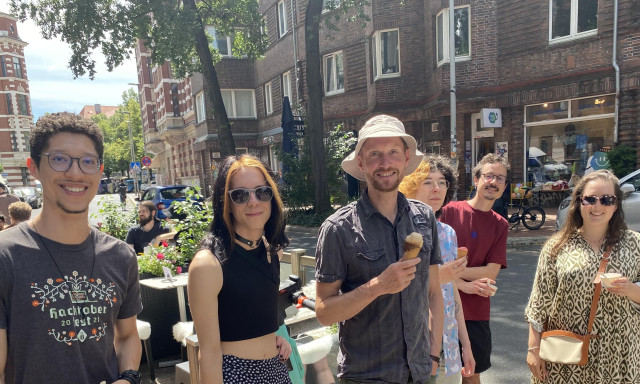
{"x":380,"y":300}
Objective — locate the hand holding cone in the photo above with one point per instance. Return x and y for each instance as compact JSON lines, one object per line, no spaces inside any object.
{"x":412,"y":245}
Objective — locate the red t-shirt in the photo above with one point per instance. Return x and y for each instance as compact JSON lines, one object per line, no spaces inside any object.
{"x":484,"y":234}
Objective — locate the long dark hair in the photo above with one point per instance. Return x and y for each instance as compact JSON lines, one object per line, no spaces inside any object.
{"x":574,"y":221}
{"x":221,"y":237}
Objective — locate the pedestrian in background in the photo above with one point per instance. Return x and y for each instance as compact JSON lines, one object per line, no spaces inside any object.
{"x":434,"y":183}
{"x":69,"y":294}
{"x":380,"y":301}
{"x":234,"y":280}
{"x":6,"y":200}
{"x":563,"y":289}
{"x":484,"y":233}
{"x":19,"y":213}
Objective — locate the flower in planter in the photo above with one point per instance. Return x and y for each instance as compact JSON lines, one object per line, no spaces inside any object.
{"x":165,"y":244}
{"x":160,"y":256}
{"x":179,"y":270}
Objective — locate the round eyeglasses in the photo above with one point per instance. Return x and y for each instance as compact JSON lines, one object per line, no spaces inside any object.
{"x":442,"y":184}
{"x":61,"y":162}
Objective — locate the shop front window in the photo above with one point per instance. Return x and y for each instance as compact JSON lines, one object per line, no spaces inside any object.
{"x":567,"y":150}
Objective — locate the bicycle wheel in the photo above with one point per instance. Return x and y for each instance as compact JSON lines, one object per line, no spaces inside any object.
{"x":533,"y":218}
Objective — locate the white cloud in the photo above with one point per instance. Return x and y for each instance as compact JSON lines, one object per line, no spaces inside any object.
{"x":51,"y":82}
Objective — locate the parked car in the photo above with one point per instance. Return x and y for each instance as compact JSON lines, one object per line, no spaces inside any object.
{"x":630,"y":186}
{"x":104,"y":186}
{"x":131,"y":186}
{"x":145,"y":186}
{"x":18,"y":194}
{"x":163,"y":196}
{"x":31,"y":196}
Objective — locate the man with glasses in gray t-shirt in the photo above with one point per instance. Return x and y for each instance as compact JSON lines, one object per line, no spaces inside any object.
{"x":69,"y":294}
{"x":381,"y":302}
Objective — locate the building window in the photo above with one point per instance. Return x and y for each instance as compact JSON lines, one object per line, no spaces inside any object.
{"x":286,"y":85}
{"x":17,"y":68}
{"x":25,"y":137}
{"x":263,"y":29}
{"x":200,"y":114}
{"x":282,"y":18}
{"x":386,"y":53}
{"x":333,"y":74}
{"x":224,"y":44}
{"x":9,"y":105}
{"x":14,"y":141}
{"x":572,"y":19}
{"x":239,"y":103}
{"x":150,"y":73}
{"x":462,"y":24}
{"x":268,"y":101}
{"x":22,"y":105}
{"x":175,"y":100}
{"x":328,"y":5}
{"x":4,"y":68}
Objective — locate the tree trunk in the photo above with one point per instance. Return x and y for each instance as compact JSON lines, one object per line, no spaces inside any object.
{"x":219,"y":116}
{"x":314,"y":105}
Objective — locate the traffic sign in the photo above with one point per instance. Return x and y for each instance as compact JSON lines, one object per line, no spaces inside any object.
{"x":146,"y":161}
{"x":135,"y":167}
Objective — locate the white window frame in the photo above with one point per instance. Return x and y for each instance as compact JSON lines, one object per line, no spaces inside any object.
{"x":200,"y":108}
{"x":286,"y":88}
{"x":378,"y":59}
{"x":216,"y":41}
{"x":242,"y":151}
{"x":573,"y":33}
{"x":334,"y":72}
{"x":268,"y":99}
{"x":445,"y":41}
{"x":233,"y":113}
{"x":282,"y":18}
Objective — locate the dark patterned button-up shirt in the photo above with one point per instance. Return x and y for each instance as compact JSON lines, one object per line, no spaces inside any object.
{"x":388,"y":341}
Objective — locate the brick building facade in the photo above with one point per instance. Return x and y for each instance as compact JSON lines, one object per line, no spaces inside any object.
{"x":16,"y":116}
{"x":545,"y":65}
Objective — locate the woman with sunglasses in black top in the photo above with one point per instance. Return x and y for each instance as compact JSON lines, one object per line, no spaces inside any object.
{"x":234,"y":279}
{"x":563,"y":289}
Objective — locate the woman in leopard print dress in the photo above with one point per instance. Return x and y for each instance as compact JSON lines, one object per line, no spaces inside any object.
{"x":563,"y":289}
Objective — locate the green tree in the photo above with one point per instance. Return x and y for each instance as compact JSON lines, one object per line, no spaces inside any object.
{"x":622,"y":160}
{"x":1,"y":168}
{"x":117,"y":148}
{"x":173,"y":30}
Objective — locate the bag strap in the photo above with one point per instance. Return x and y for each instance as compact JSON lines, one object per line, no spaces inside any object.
{"x":596,"y":295}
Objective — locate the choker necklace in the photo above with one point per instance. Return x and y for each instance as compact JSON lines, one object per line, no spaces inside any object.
{"x":250,"y":243}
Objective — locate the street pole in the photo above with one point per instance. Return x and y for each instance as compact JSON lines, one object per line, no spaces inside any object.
{"x":452,"y":81}
{"x":133,"y":155}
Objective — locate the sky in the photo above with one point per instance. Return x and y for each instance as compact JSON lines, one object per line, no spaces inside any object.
{"x":51,"y":82}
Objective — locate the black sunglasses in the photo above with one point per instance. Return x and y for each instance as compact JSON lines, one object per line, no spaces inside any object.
{"x":605,"y":200}
{"x":241,"y":195}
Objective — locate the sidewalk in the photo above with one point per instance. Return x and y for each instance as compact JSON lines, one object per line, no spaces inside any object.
{"x":521,"y":237}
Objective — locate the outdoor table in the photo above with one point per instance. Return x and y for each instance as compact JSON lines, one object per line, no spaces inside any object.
{"x":178,"y":282}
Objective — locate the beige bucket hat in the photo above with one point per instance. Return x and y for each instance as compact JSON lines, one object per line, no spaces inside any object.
{"x":382,"y":126}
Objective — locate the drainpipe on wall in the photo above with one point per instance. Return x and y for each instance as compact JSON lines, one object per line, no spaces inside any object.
{"x":452,"y":79}
{"x":616,"y":119}
{"x":295,"y":51}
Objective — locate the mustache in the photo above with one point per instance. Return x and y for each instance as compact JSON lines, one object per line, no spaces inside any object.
{"x":383,"y":170}
{"x":490,"y":187}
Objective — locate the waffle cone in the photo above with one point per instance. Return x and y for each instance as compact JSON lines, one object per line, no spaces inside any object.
{"x":412,"y":246}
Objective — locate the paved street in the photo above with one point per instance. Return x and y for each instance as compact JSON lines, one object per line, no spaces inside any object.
{"x":510,"y":331}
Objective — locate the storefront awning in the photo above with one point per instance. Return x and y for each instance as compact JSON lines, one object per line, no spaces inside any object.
{"x":156,"y":163}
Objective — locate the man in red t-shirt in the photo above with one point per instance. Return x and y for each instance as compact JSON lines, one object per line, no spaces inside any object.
{"x":484,"y":233}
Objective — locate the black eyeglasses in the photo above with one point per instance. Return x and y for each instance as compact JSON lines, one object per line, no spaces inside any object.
{"x":605,"y":200}
{"x":488,"y":177}
{"x":61,"y":162}
{"x":241,"y":195}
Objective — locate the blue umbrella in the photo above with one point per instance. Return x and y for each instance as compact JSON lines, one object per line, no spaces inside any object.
{"x":288,"y":131}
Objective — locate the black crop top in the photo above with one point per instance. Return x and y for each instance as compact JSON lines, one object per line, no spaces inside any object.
{"x":248,"y":300}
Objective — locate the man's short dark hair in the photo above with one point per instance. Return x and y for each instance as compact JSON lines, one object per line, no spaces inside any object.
{"x":3,"y":186}
{"x":490,"y":158}
{"x":19,"y":211}
{"x":50,"y":125}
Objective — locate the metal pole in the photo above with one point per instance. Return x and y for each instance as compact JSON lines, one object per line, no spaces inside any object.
{"x":616,"y":119}
{"x":452,"y":77}
{"x":133,"y":159}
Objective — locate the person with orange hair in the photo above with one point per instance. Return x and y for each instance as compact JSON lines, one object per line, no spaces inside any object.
{"x":234,"y":279}
{"x":433,"y":183}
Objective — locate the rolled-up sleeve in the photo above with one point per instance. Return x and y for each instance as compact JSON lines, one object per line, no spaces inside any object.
{"x":331,"y":263}
{"x":544,"y":290}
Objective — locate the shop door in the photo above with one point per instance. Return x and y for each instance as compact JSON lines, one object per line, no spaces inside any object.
{"x":483,"y":142}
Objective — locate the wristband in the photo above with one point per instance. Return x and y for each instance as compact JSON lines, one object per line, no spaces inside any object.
{"x":436,"y":359}
{"x":532,"y":348}
{"x":133,"y":377}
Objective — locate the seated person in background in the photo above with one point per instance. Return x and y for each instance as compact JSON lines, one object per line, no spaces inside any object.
{"x":3,"y":223}
{"x":19,"y":212}
{"x":149,"y":229}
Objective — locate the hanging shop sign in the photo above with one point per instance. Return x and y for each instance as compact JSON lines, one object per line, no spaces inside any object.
{"x":491,"y":118}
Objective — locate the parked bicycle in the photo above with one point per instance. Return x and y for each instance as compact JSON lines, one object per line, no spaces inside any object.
{"x":531,"y":217}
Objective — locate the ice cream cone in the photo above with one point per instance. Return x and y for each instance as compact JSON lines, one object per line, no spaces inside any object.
{"x":462,"y":252}
{"x":412,"y":246}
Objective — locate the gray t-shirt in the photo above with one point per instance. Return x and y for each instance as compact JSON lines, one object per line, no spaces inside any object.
{"x":60,"y":324}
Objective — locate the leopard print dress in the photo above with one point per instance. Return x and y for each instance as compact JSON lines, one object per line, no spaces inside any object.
{"x":563,"y":291}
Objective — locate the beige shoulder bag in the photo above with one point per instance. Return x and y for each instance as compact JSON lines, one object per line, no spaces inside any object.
{"x":565,"y":347}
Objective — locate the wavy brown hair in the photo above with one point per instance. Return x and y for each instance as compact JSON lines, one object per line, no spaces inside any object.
{"x":574,"y":221}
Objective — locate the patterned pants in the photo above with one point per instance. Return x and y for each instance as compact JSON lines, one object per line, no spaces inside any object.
{"x":241,"y":371}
